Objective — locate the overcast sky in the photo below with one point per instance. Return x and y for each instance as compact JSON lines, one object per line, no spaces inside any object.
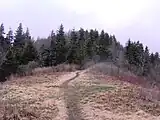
{"x":135,"y":19}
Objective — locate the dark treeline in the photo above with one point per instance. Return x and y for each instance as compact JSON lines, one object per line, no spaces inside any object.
{"x":74,"y":47}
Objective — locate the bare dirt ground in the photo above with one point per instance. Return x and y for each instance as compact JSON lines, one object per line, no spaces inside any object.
{"x":76,"y":96}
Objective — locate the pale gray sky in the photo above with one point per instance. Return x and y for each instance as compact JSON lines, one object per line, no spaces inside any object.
{"x":135,"y":19}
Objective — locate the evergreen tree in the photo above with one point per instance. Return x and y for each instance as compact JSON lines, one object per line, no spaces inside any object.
{"x":114,"y":48}
{"x":29,"y":53}
{"x":19,"y":45}
{"x":2,"y":30}
{"x":4,"y":45}
{"x":139,"y":54}
{"x":52,"y":55}
{"x":73,"y":48}
{"x":152,"y":58}
{"x":60,"y":46}
{"x":86,"y":36}
{"x":96,"y":43}
{"x":44,"y":56}
{"x":27,"y":34}
{"x":9,"y":65}
{"x":5,"y":42}
{"x":89,"y":44}
{"x":2,"y":38}
{"x":81,"y":45}
{"x":95,"y":40}
{"x":104,"y":45}
{"x":146,"y":68}
{"x":9,"y":38}
{"x":19,"y":40}
{"x":156,"y":56}
{"x":135,"y":53}
{"x":157,"y":59}
{"x":128,"y":51}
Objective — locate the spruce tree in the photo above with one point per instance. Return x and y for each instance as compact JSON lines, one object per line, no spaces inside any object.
{"x":9,"y":37}
{"x":90,"y":44}
{"x":104,"y":45}
{"x":96,"y":42}
{"x":2,"y":38}
{"x":156,"y":56}
{"x":2,"y":30}
{"x":27,"y":34}
{"x":29,"y":53}
{"x":9,"y":65}
{"x":19,"y":40}
{"x":81,"y":45}
{"x":52,"y":55}
{"x":129,"y":54}
{"x":19,"y":43}
{"x":86,"y":36}
{"x":146,"y":68}
{"x":139,"y":54}
{"x":44,"y":56}
{"x":72,"y":56}
{"x":152,"y":58}
{"x":114,"y":48}
{"x":60,"y":46}
{"x":4,"y":45}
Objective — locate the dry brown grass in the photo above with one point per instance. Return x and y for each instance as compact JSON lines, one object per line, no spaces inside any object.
{"x":30,"y":98}
{"x":57,"y":96}
{"x":36,"y":97}
{"x":126,"y":101}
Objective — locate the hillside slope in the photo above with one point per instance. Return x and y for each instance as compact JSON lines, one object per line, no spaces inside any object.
{"x":77,"y":95}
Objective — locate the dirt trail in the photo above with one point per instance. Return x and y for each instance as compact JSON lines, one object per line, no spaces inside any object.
{"x":69,"y":108}
{"x":68,"y":79}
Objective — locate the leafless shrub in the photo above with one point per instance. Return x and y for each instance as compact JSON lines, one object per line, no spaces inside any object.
{"x":88,"y":64}
{"x":32,"y":65}
{"x":65,"y":68}
{"x":154,"y":75}
{"x":110,"y":69}
{"x":25,"y":70}
{"x":150,"y":94}
{"x":42,"y":70}
{"x":31,"y":69}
